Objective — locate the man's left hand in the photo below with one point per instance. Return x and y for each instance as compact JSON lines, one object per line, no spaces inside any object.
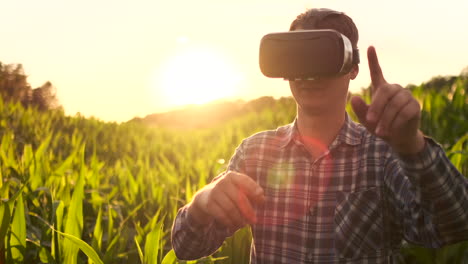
{"x":393,"y":114}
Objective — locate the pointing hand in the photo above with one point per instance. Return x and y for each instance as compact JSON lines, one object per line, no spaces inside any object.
{"x":393,"y":114}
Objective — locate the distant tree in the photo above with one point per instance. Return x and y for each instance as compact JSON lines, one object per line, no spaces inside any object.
{"x":44,"y":98}
{"x":464,"y":72}
{"x":14,"y":87}
{"x":441,"y":83}
{"x":13,"y":83}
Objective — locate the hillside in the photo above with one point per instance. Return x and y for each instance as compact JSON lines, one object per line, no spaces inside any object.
{"x":214,"y":113}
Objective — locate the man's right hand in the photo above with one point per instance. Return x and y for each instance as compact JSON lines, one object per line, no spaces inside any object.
{"x":228,"y":200}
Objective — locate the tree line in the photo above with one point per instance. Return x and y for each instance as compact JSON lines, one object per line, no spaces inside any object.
{"x":14,"y":87}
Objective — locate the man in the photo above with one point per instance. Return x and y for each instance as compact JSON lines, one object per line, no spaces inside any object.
{"x":327,"y":190}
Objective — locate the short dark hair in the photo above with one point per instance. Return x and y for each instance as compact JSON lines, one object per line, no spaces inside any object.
{"x":323,"y":18}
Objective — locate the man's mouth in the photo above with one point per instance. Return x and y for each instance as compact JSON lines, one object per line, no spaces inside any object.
{"x":309,"y":86}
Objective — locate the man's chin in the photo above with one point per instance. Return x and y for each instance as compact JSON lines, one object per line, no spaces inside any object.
{"x":313,"y":110}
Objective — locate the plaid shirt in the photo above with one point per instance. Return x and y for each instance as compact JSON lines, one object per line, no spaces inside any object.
{"x":355,"y":203}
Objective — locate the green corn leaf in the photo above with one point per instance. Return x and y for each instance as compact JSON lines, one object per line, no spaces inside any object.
{"x":458,"y":155}
{"x":74,"y":219}
{"x":45,"y":256}
{"x":97,"y":234}
{"x":41,"y":150}
{"x":110,"y":253}
{"x":87,"y":249}
{"x":18,"y":232}
{"x":110,"y":226}
{"x":5,"y":222}
{"x":170,"y":258}
{"x":6,"y":208}
{"x":4,"y":190}
{"x":58,"y":208}
{"x":65,"y":165}
{"x":28,"y":157}
{"x":188,"y":190}
{"x":153,"y":245}
{"x":140,"y":253}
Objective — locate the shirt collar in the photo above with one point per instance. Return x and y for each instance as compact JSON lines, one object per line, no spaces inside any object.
{"x":350,"y":133}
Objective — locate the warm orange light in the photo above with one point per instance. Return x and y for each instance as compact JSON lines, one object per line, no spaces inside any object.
{"x":197,"y":76}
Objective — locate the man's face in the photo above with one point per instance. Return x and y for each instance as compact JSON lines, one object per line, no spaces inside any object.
{"x":316,"y":96}
{"x":323,"y":94}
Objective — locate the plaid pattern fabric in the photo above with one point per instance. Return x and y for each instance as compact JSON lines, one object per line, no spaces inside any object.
{"x":353,"y":204}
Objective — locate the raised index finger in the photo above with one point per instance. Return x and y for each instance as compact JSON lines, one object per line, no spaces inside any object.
{"x":374,"y":68}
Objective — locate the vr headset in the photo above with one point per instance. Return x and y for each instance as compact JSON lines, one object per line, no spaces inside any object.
{"x":306,"y":54}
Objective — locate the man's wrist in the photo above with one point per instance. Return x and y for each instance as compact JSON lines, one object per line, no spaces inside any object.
{"x":196,"y":215}
{"x":412,"y":146}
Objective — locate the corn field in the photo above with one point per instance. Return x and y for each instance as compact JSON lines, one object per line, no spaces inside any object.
{"x":79,"y":190}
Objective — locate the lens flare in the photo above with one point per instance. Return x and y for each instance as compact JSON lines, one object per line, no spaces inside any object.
{"x":294,"y":188}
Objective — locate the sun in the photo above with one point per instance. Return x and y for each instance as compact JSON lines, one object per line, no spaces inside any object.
{"x":197,"y":76}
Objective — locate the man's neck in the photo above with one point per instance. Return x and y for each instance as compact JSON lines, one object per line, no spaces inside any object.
{"x":319,"y":131}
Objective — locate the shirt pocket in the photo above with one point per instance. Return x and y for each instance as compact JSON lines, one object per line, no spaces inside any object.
{"x":358,"y":221}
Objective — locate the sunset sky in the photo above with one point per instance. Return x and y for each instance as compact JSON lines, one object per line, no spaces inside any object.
{"x":119,"y":59}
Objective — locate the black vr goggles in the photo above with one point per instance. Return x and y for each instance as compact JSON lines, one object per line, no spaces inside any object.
{"x":306,"y":54}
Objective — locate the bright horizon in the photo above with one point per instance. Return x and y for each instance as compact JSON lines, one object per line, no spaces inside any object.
{"x":116,"y":60}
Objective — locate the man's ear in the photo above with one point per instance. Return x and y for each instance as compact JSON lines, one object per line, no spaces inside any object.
{"x":354,"y":72}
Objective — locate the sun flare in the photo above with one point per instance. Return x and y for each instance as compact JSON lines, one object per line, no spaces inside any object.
{"x":197,"y":76}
